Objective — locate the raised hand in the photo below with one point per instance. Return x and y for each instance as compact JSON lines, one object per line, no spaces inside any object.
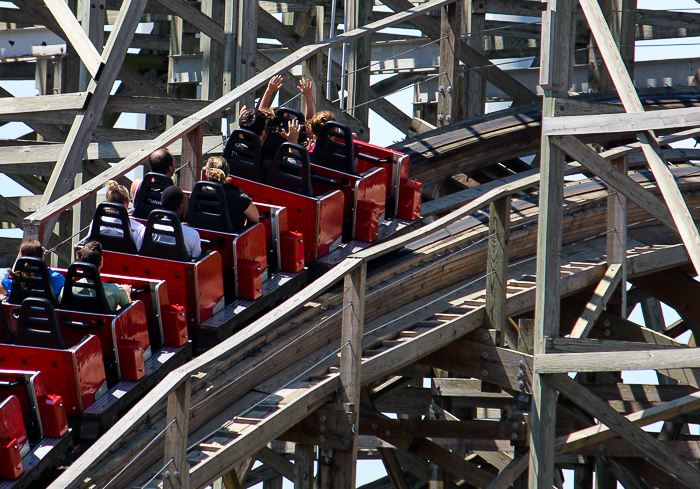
{"x":275,"y":82}
{"x":305,"y":86}
{"x":292,"y":132}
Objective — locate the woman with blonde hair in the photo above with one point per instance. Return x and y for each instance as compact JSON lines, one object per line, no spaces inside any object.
{"x":240,"y":206}
{"x":118,"y":194}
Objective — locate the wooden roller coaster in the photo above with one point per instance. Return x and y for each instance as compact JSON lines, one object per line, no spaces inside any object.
{"x":490,"y":346}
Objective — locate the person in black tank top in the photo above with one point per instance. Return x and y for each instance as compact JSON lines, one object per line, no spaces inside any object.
{"x":241,"y":209}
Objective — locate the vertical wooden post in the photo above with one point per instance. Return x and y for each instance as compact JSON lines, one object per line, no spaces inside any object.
{"x":177,"y":475}
{"x":450,"y":91}
{"x":359,"y":14}
{"x":621,"y":18}
{"x":192,"y":156}
{"x":314,"y":67}
{"x":617,"y":241}
{"x":92,"y":15}
{"x":246,"y":45}
{"x":555,"y":76}
{"x":230,"y":36}
{"x":303,"y":466}
{"x":212,"y":58}
{"x":350,"y":372}
{"x":475,"y":85}
{"x":497,"y":272}
{"x":83,"y":212}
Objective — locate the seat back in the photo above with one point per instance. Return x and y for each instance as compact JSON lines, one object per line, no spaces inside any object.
{"x":35,"y":281}
{"x":148,"y":195}
{"x":334,"y":148}
{"x":38,"y":326}
{"x":286,"y":175}
{"x":163,"y":237}
{"x":243,"y":154}
{"x":5,"y":333}
{"x":273,"y":134}
{"x":112,"y":228}
{"x":84,"y":290}
{"x":208,"y":207}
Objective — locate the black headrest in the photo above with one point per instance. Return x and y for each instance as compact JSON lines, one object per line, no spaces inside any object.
{"x":163,"y":237}
{"x":35,"y":281}
{"x":112,"y":228}
{"x":291,"y":170}
{"x":84,"y":290}
{"x":334,"y":148}
{"x":148,"y":195}
{"x":242,"y":152}
{"x":38,"y":326}
{"x":208,"y":207}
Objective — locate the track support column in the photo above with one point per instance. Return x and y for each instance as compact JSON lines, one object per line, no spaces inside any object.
{"x":177,"y":474}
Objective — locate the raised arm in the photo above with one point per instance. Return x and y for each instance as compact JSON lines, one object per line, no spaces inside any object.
{"x":273,"y":87}
{"x":306,"y":89}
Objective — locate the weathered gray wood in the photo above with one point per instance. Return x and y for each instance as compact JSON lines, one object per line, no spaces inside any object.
{"x":615,"y":361}
{"x":451,"y":81}
{"x":617,"y":238}
{"x":601,"y":295}
{"x":303,"y":466}
{"x":176,"y":437}
{"x":210,"y":27}
{"x":358,"y":14}
{"x":555,"y":79}
{"x":497,"y":272}
{"x":246,"y":46}
{"x":598,"y":408}
{"x":40,"y":103}
{"x":621,"y":123}
{"x":79,"y":137}
{"x":475,"y":85}
{"x":630,"y":100}
{"x":76,"y":36}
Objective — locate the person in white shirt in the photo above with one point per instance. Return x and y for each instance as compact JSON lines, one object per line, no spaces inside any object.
{"x":174,"y":199}
{"x":118,"y":194}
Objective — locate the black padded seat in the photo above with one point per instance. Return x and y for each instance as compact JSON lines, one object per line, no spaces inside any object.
{"x":84,"y":290}
{"x":208,"y":209}
{"x":5,"y":334}
{"x":163,"y":237}
{"x":37,"y":325}
{"x":35,"y":281}
{"x":243,"y":155}
{"x":148,"y":195}
{"x":334,"y":148}
{"x":273,"y":134}
{"x":112,"y":228}
{"x":287,"y":175}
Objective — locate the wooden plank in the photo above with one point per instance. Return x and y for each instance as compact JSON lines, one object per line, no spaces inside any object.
{"x":209,"y":27}
{"x":497,"y":271}
{"x":80,"y":134}
{"x":76,"y":36}
{"x":470,"y":57}
{"x":176,"y":436}
{"x":616,"y":240}
{"x":424,"y":428}
{"x":451,"y":81}
{"x":359,"y":13}
{"x":598,"y":408}
{"x":303,"y":466}
{"x":621,"y":123}
{"x":41,"y":103}
{"x":217,"y":107}
{"x":351,"y":371}
{"x":192,"y":158}
{"x":615,"y":178}
{"x":277,"y":463}
{"x":601,"y":295}
{"x":586,"y":345}
{"x":615,"y":361}
{"x":628,"y":95}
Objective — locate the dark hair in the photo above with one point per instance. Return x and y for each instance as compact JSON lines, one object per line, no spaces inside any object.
{"x":317,"y":122}
{"x":160,"y":160}
{"x":91,"y":253}
{"x":171,"y":198}
{"x":31,"y":247}
{"x":252,"y":120}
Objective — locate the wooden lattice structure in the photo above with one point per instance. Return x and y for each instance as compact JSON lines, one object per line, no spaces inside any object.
{"x":520,"y":279}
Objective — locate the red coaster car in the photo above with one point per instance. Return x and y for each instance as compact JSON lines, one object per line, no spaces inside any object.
{"x":14,"y":443}
{"x":76,"y":373}
{"x":317,"y":216}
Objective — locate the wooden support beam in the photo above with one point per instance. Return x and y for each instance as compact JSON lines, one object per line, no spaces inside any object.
{"x":92,"y":16}
{"x":674,"y":288}
{"x":209,"y":27}
{"x":192,"y":158}
{"x":230,"y":63}
{"x":79,"y":137}
{"x":655,"y":359}
{"x":176,"y":437}
{"x":277,"y":463}
{"x":451,"y":81}
{"x":630,"y":100}
{"x":246,"y":47}
{"x":615,"y":178}
{"x":359,"y":13}
{"x":601,"y":295}
{"x":617,"y":240}
{"x":598,"y":408}
{"x":350,"y":371}
{"x":212,"y":58}
{"x":76,"y":36}
{"x":555,"y":79}
{"x":475,"y":85}
{"x":440,"y":428}
{"x":477,"y":62}
{"x":303,"y":466}
{"x":497,"y":272}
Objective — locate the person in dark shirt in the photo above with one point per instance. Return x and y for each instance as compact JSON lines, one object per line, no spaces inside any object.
{"x":240,"y":206}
